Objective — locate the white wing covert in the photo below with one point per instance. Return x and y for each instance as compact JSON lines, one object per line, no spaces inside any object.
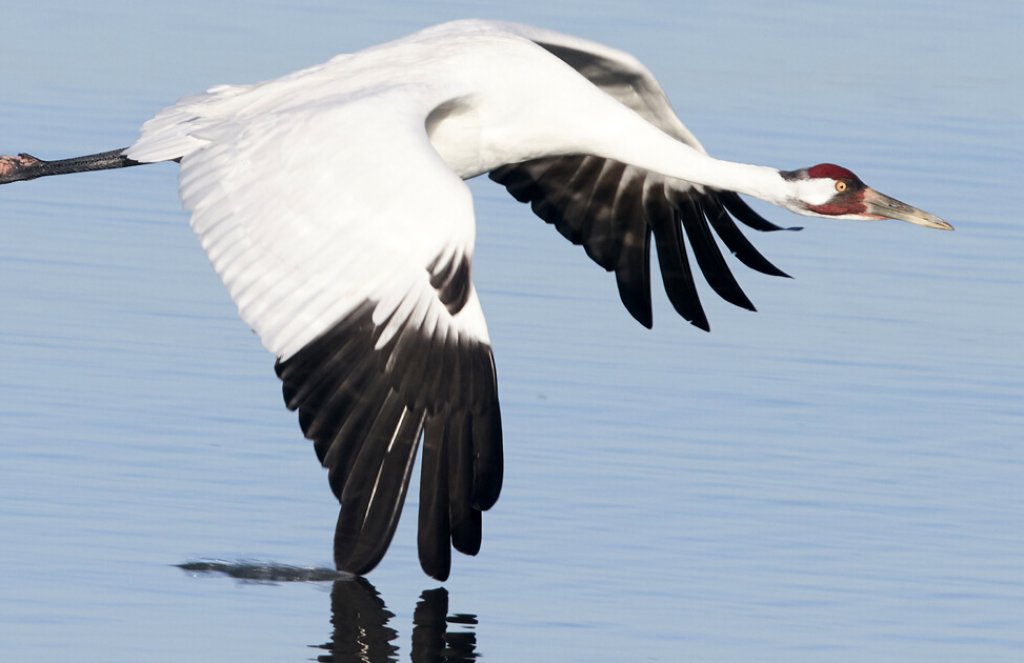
{"x":346,"y":243}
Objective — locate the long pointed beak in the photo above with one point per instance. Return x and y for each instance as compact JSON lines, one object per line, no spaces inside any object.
{"x":882,"y":206}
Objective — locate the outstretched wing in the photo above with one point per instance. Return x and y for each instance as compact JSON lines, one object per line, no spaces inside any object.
{"x":347,"y":243}
{"x":614,"y":209}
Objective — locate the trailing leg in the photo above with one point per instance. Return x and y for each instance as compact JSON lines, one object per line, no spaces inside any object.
{"x":28,"y":167}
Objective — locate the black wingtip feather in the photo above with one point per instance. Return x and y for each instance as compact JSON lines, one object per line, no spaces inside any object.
{"x":464,"y":517}
{"x":434,"y":527}
{"x":633,"y":265}
{"x":488,"y":457}
{"x":736,"y":241}
{"x":375,"y":489}
{"x":595,"y":202}
{"x":365,"y":408}
{"x":467,"y":534}
{"x":709,"y":257}
{"x":747,"y":216}
{"x":675,"y":267}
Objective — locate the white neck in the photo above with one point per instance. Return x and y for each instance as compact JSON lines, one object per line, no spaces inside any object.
{"x":637,"y":142}
{"x":565,"y":114}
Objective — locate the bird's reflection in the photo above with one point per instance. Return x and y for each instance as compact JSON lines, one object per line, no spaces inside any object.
{"x":431,"y":638}
{"x":360,"y":620}
{"x":363,"y":628}
{"x":362,"y":633}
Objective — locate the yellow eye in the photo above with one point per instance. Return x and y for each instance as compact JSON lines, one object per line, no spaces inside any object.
{"x":840,"y":186}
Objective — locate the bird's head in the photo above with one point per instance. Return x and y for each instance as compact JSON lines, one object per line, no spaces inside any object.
{"x":834,"y":192}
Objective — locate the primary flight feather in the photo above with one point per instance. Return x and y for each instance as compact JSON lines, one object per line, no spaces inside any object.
{"x":331,"y":203}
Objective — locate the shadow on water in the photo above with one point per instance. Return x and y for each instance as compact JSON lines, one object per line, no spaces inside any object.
{"x":363,"y":628}
{"x":265,"y":573}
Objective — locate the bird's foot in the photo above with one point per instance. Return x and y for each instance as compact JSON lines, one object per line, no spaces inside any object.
{"x":11,"y":166}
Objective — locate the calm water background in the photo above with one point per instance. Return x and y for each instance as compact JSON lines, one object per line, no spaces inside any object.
{"x":839,"y":477}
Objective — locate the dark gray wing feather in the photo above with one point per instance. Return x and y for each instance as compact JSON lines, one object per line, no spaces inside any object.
{"x":365,"y":408}
{"x":613,"y":209}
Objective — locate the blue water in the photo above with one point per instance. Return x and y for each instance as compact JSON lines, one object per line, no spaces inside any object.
{"x":837,"y":477}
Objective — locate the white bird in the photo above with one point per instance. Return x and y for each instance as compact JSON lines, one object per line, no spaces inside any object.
{"x":331,"y":203}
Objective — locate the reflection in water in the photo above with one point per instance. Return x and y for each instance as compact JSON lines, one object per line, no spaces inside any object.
{"x":361,"y":631}
{"x":360,"y":618}
{"x":431,"y":640}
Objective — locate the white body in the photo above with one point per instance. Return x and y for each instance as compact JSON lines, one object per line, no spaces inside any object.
{"x":331,"y":202}
{"x":304,"y":188}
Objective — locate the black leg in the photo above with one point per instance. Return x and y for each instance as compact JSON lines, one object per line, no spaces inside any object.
{"x":28,"y":167}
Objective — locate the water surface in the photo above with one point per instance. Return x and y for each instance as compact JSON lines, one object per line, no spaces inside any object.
{"x":837,"y":477}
